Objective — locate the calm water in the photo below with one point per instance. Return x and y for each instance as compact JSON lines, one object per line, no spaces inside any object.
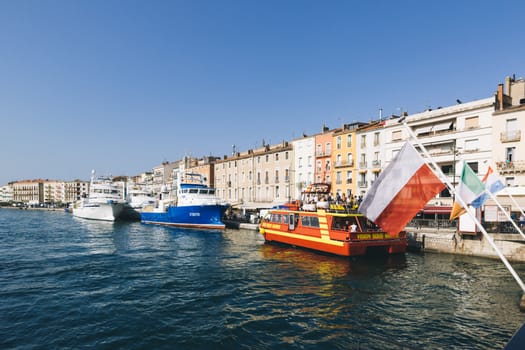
{"x":67,"y":283}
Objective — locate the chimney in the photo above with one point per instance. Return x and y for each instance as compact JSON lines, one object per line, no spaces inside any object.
{"x":508,"y":81}
{"x":499,"y":98}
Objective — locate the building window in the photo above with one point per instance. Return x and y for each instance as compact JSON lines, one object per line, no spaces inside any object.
{"x":397,"y":135}
{"x":328,"y":148}
{"x":363,"y":140}
{"x":338,"y":178}
{"x":338,"y":142}
{"x":276,"y":157}
{"x":350,"y":159}
{"x":473,"y":166}
{"x":376,"y":139}
{"x":471,"y":122}
{"x":509,"y":156}
{"x":349,"y":140}
{"x":471,"y":145}
{"x":349,"y":177}
{"x":509,"y":181}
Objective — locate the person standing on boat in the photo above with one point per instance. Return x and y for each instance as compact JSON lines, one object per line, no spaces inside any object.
{"x":353,"y":227}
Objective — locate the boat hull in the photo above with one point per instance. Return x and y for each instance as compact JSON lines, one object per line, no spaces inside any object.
{"x":102,"y":211}
{"x":344,"y":234}
{"x":342,"y":248}
{"x":194,"y":216}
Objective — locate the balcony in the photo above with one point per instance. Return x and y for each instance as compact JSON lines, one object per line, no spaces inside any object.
{"x":517,"y":167}
{"x":510,"y":136}
{"x":362,"y":184}
{"x":344,"y":163}
{"x":363,"y":164}
{"x":376,"y":163}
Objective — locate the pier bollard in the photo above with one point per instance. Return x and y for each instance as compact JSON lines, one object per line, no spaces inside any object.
{"x":522,"y":303}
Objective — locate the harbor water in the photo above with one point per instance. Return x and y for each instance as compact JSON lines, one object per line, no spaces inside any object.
{"x":69,"y":283}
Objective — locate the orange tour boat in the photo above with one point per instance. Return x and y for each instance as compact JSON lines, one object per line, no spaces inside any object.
{"x":331,"y":228}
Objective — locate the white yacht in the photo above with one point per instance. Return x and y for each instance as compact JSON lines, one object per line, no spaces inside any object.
{"x":138,"y":198}
{"x":104,"y":201}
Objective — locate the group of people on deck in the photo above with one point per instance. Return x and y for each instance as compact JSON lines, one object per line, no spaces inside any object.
{"x":337,"y":199}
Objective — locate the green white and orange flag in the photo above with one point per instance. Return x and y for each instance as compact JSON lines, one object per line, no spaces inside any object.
{"x":468,"y":189}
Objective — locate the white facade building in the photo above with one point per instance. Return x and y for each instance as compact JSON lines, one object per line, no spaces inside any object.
{"x":304,"y":158}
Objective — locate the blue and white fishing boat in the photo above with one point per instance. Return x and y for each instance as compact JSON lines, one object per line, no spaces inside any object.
{"x":190,"y":204}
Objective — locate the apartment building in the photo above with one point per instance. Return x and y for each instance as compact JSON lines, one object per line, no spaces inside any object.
{"x":303,"y":164}
{"x":256,"y":178}
{"x":323,"y":156}
{"x":508,"y":151}
{"x":204,"y":166}
{"x":163,"y":176}
{"x":370,"y":148}
{"x":6,"y":194}
{"x":451,"y":135}
{"x":344,"y":178}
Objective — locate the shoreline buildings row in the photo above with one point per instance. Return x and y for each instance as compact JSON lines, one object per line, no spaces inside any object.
{"x":483,"y":133}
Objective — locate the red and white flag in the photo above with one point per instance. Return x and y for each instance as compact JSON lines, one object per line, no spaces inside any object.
{"x":400,"y":191}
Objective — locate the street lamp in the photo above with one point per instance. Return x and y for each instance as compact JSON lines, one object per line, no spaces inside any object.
{"x":456,"y":153}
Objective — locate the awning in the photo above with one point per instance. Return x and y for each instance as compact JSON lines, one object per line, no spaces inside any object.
{"x":443,"y":126}
{"x":423,"y":130}
{"x":434,"y":209}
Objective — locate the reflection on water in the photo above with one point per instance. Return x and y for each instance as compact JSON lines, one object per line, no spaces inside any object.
{"x":71,"y":283}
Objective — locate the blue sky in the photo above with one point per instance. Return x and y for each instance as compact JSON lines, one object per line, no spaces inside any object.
{"x":121,"y":86}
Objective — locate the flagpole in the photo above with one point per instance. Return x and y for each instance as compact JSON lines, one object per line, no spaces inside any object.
{"x":462,"y":203}
{"x":505,"y":212}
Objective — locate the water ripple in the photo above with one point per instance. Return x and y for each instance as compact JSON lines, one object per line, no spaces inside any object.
{"x":71,"y":284}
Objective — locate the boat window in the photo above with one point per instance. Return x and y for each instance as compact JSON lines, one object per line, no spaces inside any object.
{"x":310,"y":221}
{"x":212,"y":190}
{"x":340,"y":223}
{"x":194,"y":190}
{"x":276,"y":218}
{"x":203,"y":191}
{"x":285,"y":219}
{"x":367,"y":225}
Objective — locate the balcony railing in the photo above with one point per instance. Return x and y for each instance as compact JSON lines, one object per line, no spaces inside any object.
{"x":376,"y":163}
{"x":511,"y":167}
{"x":510,"y":136}
{"x":362,"y":184}
{"x":343,"y":163}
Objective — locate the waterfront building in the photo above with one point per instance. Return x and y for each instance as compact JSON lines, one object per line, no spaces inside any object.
{"x":204,"y":166}
{"x":6,"y":194}
{"x":451,"y":135}
{"x":73,"y":190}
{"x":28,"y":191}
{"x":163,"y":176}
{"x":508,"y":145}
{"x":344,"y":167}
{"x":256,"y":178}
{"x":303,"y":172}
{"x":370,"y":148}
{"x":323,"y":156}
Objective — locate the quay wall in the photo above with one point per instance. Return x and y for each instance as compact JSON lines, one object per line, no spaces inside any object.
{"x":512,"y":246}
